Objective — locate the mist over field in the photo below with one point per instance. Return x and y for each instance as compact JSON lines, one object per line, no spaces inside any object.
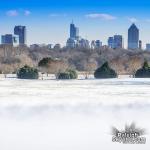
{"x":77,"y":114}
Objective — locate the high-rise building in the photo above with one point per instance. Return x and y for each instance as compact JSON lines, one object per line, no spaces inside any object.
{"x":83,"y":43}
{"x":7,"y":39}
{"x":93,"y":44}
{"x":74,"y":31}
{"x":75,"y":41}
{"x":21,"y":32}
{"x":148,"y":46}
{"x":98,"y":44}
{"x":133,"y":37}
{"x":111,"y":42}
{"x":71,"y":43}
{"x":118,"y":41}
{"x":57,"y":46}
{"x":115,"y":42}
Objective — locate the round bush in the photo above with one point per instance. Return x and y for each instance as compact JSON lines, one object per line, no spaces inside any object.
{"x":69,"y":74}
{"x":144,"y":72}
{"x":27,"y":73}
{"x":73,"y":74}
{"x":105,"y":72}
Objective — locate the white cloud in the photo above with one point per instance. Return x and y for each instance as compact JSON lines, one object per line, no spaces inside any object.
{"x":101,"y":16}
{"x":12,"y":13}
{"x":57,"y":15}
{"x":27,"y":12}
{"x":133,"y":20}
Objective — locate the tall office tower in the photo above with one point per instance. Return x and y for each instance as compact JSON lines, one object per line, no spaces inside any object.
{"x":74,"y":31}
{"x":118,"y":41}
{"x":74,"y":39}
{"x":111,"y":42}
{"x":133,"y":37}
{"x":21,"y":32}
{"x":7,"y":39}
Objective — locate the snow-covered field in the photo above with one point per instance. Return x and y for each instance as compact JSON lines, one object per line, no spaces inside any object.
{"x":71,"y":115}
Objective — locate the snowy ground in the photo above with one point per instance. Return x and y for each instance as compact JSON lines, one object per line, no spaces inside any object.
{"x":71,"y":115}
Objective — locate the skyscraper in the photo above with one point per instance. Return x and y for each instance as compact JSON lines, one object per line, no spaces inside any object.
{"x":133,"y":37}
{"x":111,"y":42}
{"x":21,"y":32}
{"x":148,"y":46}
{"x":118,"y":41}
{"x":74,"y":31}
{"x":7,"y":39}
{"x":75,"y":41}
{"x":98,"y":44}
{"x":115,"y":42}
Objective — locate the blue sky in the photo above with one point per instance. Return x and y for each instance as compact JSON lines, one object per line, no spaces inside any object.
{"x":48,"y":21}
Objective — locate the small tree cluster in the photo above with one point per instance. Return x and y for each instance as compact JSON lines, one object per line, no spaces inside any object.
{"x":144,"y":72}
{"x":53,"y":66}
{"x":27,"y":72}
{"x":105,"y":72}
{"x":69,"y":74}
{"x":45,"y":62}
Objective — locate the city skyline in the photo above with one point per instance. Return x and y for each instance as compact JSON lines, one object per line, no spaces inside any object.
{"x":96,"y":20}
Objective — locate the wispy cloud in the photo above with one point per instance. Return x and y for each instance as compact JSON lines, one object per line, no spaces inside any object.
{"x":12,"y":13}
{"x":132,"y":19}
{"x":57,"y":15}
{"x":101,"y":16}
{"x":27,"y":12}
